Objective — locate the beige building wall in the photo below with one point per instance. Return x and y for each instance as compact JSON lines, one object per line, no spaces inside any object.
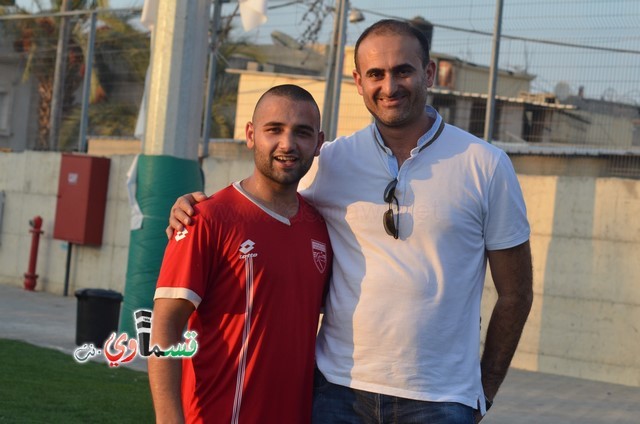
{"x":470,"y":79}
{"x":566,"y":128}
{"x":610,"y":130}
{"x":510,"y":128}
{"x":585,"y":241}
{"x":353,"y":114}
{"x":253,"y":84}
{"x":591,"y":129}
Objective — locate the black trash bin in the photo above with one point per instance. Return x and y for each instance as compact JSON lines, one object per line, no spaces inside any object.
{"x":98,"y":315}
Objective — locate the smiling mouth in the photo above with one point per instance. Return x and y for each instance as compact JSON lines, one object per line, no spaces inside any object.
{"x":284,"y":159}
{"x":390,"y":101}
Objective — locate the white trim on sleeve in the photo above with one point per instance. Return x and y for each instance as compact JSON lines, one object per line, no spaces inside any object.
{"x":178,"y":293}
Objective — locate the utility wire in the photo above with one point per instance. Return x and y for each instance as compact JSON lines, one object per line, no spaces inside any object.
{"x":512,"y":37}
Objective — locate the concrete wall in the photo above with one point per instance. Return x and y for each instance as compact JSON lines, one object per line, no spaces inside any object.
{"x":30,"y":182}
{"x":585,"y":320}
{"x":585,"y":238}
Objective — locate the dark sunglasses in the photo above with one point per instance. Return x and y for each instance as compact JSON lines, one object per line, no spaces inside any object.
{"x":389,"y":220}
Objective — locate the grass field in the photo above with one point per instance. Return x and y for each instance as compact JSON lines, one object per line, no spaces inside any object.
{"x":40,"y":385}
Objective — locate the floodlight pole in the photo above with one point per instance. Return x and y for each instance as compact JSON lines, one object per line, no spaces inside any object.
{"x":493,"y":74}
{"x":57,"y":96}
{"x":86,"y":88}
{"x":174,"y":108}
{"x":211,"y":79}
{"x":334,"y":71}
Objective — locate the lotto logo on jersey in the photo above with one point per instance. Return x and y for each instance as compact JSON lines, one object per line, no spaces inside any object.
{"x":319,"y":250}
{"x":181,"y":234}
{"x":245,"y":248}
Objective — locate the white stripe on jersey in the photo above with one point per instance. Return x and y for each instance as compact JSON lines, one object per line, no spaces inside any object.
{"x":242,"y":360}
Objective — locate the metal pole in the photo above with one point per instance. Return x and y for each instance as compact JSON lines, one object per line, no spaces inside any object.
{"x":334,"y":71}
{"x":213,"y":47}
{"x":178,"y":69}
{"x":58,"y":78}
{"x":86,"y":88}
{"x":493,"y":74}
{"x":67,"y":270}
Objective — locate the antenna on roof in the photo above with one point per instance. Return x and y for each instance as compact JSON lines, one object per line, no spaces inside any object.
{"x":282,"y":39}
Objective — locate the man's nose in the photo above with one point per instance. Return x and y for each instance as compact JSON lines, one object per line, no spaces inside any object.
{"x":389,"y":85}
{"x":287,"y":141}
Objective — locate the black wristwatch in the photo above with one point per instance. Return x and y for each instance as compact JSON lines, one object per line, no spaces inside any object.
{"x":488,"y":403}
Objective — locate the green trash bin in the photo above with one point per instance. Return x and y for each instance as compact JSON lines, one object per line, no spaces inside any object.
{"x":98,"y":314}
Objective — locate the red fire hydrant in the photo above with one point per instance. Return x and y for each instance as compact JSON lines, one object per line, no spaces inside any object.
{"x":30,"y":276}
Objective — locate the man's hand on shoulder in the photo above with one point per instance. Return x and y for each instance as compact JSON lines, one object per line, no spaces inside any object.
{"x":182,"y":211}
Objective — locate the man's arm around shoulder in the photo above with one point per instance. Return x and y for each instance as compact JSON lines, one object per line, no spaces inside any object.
{"x":182,"y":211}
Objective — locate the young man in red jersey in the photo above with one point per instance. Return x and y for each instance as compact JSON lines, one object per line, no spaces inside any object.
{"x":249,"y":278}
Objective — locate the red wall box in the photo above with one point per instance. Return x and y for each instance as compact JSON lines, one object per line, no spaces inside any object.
{"x":82,"y":199}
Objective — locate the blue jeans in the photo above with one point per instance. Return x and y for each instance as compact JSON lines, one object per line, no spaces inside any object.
{"x":335,"y":404}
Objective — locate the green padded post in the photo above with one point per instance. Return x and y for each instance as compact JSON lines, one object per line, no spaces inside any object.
{"x":160,"y":180}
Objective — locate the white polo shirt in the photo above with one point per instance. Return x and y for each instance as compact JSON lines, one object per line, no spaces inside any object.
{"x":402,"y":317}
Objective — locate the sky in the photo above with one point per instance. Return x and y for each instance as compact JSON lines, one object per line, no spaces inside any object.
{"x":607,"y":66}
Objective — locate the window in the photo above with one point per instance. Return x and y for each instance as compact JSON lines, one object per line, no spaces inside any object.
{"x":476,"y":120}
{"x":5,"y":111}
{"x":635,"y":137}
{"x":533,"y":123}
{"x":445,"y":74}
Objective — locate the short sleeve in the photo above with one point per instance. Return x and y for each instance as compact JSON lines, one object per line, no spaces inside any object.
{"x":186,"y":265}
{"x":506,"y":223}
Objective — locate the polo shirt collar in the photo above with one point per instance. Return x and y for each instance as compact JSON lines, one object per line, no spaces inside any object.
{"x":426,"y":139}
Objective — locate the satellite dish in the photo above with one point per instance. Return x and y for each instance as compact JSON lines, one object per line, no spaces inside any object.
{"x":282,"y":39}
{"x":609,"y":94}
{"x":562,"y":91}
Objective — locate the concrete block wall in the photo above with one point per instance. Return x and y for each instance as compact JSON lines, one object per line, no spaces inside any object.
{"x":30,"y":182}
{"x":26,"y":178}
{"x":585,"y":320}
{"x":585,"y":240}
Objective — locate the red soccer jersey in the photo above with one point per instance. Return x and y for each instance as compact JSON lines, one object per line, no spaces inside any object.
{"x":258,"y":281}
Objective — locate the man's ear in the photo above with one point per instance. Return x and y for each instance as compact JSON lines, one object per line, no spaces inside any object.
{"x":320,"y":143}
{"x":358,"y":80}
{"x":430,"y":71}
{"x":250,"y":134}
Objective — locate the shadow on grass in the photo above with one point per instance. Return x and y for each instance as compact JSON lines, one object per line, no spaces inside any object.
{"x":46,"y":386}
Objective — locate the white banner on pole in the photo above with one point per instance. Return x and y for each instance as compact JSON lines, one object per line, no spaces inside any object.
{"x":149,"y":14}
{"x":253,"y":13}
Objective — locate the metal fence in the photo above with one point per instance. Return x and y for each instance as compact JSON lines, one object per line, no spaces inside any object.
{"x":107,"y":87}
{"x":568,"y":79}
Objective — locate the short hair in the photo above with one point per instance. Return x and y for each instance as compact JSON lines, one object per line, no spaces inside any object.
{"x":396,"y":27}
{"x":291,"y":92}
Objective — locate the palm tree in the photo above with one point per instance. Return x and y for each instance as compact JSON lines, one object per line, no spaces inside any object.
{"x":37,"y":37}
{"x":120,"y":61}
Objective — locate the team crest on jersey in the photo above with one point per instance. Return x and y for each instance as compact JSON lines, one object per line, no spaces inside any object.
{"x":319,"y":250}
